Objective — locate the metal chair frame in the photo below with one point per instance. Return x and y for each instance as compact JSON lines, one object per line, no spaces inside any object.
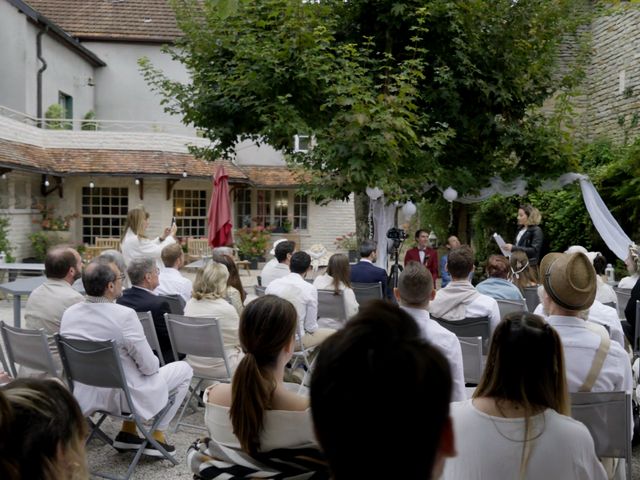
{"x":510,"y":306}
{"x":146,"y":319}
{"x":98,"y":364}
{"x":623,"y":295}
{"x":200,"y":336}
{"x":367,"y":291}
{"x":469,"y":327}
{"x":28,"y":348}
{"x":176,"y":303}
{"x":331,"y":306}
{"x":471,"y":358}
{"x":531,"y":298}
{"x":260,"y":290}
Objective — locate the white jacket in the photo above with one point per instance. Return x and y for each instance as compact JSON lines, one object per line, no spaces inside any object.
{"x":134,"y":247}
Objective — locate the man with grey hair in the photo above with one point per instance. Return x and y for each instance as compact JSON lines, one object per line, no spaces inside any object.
{"x":144,"y":275}
{"x":99,"y":318}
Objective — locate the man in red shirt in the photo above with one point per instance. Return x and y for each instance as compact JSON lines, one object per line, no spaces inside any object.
{"x":423,"y":253}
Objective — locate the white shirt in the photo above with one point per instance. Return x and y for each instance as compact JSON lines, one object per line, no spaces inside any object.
{"x":446,"y":343}
{"x":580,"y":345}
{"x":302,"y":295}
{"x":271,"y":271}
{"x":629,"y":282}
{"x":173,"y":283}
{"x":605,"y":292}
{"x":325,"y":282}
{"x":607,"y":316}
{"x":490,"y":448}
{"x":134,"y":247}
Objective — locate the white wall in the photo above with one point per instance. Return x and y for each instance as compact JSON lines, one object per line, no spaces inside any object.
{"x":328,"y":222}
{"x":23,"y":191}
{"x":14,"y":45}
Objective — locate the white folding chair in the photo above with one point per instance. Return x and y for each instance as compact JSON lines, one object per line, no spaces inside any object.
{"x":260,"y":290}
{"x":331,"y":307}
{"x":98,"y":364}
{"x":607,"y":415}
{"x":469,"y":327}
{"x":146,"y":319}
{"x":28,"y":348}
{"x":176,"y":303}
{"x":623,"y":295}
{"x":510,"y":306}
{"x":301,"y":356}
{"x":531,"y":298}
{"x":471,"y":358}
{"x":200,"y":336}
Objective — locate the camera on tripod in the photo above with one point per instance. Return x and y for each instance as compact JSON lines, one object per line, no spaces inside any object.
{"x":395,"y":233}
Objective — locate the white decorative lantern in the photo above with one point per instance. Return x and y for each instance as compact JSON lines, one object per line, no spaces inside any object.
{"x":374,"y":193}
{"x":409,"y":209}
{"x":450,"y":194}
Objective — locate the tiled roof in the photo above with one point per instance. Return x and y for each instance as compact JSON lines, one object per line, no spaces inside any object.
{"x":266,"y":176}
{"x":70,"y":161}
{"x":117,"y":20}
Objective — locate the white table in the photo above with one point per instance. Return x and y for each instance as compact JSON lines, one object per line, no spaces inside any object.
{"x":26,"y":267}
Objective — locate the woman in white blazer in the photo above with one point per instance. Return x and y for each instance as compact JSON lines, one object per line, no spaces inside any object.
{"x":134,"y":243}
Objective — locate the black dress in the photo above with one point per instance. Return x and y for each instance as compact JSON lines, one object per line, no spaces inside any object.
{"x":531,"y":243}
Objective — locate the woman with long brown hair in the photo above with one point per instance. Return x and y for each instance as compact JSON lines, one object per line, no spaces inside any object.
{"x":337,"y":278}
{"x":256,"y":413}
{"x":235,"y":291}
{"x":522,"y":273}
{"x":516,"y":425}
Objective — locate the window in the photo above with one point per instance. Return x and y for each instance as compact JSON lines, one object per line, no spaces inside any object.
{"x":300,"y":211}
{"x":104,"y":211}
{"x":190,"y":210}
{"x":263,"y":216}
{"x":280,"y":207}
{"x":66,"y":102}
{"x":301,"y":143}
{"x":243,"y":207}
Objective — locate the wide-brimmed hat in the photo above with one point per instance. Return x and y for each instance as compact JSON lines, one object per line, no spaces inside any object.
{"x":569,"y":279}
{"x":275,"y":244}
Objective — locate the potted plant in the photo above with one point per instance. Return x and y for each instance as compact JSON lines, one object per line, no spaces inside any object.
{"x":348,"y":242}
{"x":54,"y":227}
{"x":252,"y":243}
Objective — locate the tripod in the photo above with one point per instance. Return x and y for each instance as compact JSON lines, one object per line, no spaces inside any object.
{"x":395,"y":268}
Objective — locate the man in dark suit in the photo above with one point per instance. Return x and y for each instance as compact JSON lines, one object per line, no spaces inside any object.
{"x":143,"y":274}
{"x":423,"y":253}
{"x":365,"y":271}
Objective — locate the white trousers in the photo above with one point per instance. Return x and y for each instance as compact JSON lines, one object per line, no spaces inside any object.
{"x":177,"y":376}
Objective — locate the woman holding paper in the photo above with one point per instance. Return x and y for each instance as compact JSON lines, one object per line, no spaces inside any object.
{"x":530,"y":237}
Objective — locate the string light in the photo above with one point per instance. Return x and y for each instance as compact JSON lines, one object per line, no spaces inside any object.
{"x":91,"y":184}
{"x":137,"y":181}
{"x":46,"y":181}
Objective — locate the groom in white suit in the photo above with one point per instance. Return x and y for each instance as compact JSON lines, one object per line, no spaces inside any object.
{"x":100,"y":318}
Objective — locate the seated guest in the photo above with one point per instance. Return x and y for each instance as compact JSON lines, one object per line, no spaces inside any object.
{"x":274,"y":261}
{"x":423,"y":253}
{"x":47,"y":303}
{"x":337,"y":278}
{"x":283,"y":252}
{"x":523,"y":274}
{"x":100,"y":318}
{"x":256,"y":413}
{"x":517,"y":424}
{"x":452,"y":242}
{"x":42,"y":432}
{"x":114,"y":256}
{"x":365,"y":271}
{"x":208,"y":300}
{"x":359,"y":422}
{"x":633,"y":267}
{"x":171,"y":280}
{"x":414,"y":292}
{"x":497,"y":286}
{"x":304,"y":298}
{"x":569,"y":288}
{"x":605,"y":292}
{"x":235,"y":291}
{"x":460,"y":299}
{"x":143,"y":274}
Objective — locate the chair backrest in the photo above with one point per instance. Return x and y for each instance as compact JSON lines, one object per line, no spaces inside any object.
{"x":531,"y":298}
{"x":510,"y":306}
{"x":623,"y":295}
{"x":367,"y":291}
{"x":471,"y":358}
{"x":607,"y":415}
{"x":259,"y":280}
{"x":146,"y":319}
{"x":198,"y":247}
{"x":331,"y":305}
{"x":199,"y":336}
{"x":260,"y":290}
{"x":176,"y":303}
{"x":28,"y":348}
{"x":636,"y":333}
{"x":467,"y":327}
{"x":108,"y":243}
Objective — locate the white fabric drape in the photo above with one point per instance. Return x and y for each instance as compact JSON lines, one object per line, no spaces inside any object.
{"x":383,"y":220}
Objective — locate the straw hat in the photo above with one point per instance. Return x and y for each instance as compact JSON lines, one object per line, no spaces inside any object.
{"x":275,"y":244}
{"x":569,"y":279}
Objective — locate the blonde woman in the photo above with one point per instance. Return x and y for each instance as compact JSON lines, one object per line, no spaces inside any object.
{"x":134,"y":243}
{"x":208,"y":300}
{"x":530,"y":237}
{"x":517,"y":425}
{"x":42,"y":432}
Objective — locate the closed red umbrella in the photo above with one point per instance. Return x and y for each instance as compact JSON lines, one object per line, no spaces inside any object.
{"x":220,"y":211}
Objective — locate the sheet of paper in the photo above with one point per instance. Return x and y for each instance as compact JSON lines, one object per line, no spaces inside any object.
{"x":501,"y":243}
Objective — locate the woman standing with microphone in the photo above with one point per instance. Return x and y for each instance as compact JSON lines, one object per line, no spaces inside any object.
{"x":134,"y":243}
{"x":530,"y":237}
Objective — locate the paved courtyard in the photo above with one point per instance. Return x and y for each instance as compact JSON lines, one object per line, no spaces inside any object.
{"x":105,"y":459}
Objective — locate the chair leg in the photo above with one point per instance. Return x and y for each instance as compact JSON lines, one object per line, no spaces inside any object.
{"x":192,"y":391}
{"x":97,"y":431}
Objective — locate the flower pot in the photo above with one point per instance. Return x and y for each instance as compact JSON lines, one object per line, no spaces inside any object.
{"x":253,"y":263}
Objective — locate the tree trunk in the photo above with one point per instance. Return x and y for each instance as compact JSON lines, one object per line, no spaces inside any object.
{"x":361,"y":205}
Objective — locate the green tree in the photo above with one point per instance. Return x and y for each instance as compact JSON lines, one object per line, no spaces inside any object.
{"x":398,"y":95}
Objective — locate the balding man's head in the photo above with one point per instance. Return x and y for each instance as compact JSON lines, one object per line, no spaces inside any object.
{"x":63,"y":263}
